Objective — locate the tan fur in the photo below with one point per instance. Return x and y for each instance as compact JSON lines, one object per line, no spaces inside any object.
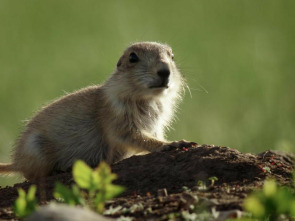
{"x":112,"y":121}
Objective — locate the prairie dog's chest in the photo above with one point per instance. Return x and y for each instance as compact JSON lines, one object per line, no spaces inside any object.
{"x":148,"y":116}
{"x":141,"y":116}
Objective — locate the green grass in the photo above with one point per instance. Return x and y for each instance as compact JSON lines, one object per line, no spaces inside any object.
{"x":241,"y":52}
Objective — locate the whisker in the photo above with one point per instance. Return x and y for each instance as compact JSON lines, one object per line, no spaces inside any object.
{"x":189,"y":90}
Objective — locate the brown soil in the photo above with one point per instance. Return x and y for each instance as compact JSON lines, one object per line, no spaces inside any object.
{"x":148,"y":177}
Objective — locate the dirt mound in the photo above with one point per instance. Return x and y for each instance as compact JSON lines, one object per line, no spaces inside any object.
{"x":148,"y":177}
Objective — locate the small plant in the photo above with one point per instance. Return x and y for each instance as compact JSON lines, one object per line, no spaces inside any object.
{"x":112,"y":210}
{"x":266,"y":169}
{"x":186,"y":189}
{"x":26,"y":203}
{"x":201,"y":185}
{"x":213,"y":179}
{"x":97,"y":182}
{"x":188,"y":216}
{"x":202,"y":215}
{"x":68,"y":196}
{"x":271,"y":202}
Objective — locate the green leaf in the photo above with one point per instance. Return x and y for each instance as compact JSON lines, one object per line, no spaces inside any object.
{"x":105,"y":174}
{"x":270,"y":188}
{"x":31,"y":193}
{"x":283,"y":199}
{"x":25,"y":204}
{"x":69,"y":196}
{"x":98,"y":182}
{"x":100,"y":207}
{"x":83,"y":175}
{"x":213,"y":178}
{"x":99,"y":198}
{"x":110,"y":192}
{"x":292,"y":207}
{"x":20,"y":207}
{"x":113,"y":191}
{"x":253,"y":205}
{"x":62,"y":192}
{"x":21,"y":193}
{"x":78,"y":195}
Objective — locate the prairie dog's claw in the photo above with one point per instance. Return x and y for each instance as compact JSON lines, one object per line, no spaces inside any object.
{"x":178,"y":144}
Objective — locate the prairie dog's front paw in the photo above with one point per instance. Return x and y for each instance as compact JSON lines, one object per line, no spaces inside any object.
{"x":178,"y":144}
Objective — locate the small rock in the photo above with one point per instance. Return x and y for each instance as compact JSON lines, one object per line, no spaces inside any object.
{"x":162,"y":192}
{"x":230,"y":214}
{"x":60,"y":212}
{"x":188,"y":199}
{"x":208,"y":202}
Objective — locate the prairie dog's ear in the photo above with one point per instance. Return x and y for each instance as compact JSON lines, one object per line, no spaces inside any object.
{"x":120,"y":61}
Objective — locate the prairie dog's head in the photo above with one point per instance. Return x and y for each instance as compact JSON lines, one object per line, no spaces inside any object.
{"x":146,"y":69}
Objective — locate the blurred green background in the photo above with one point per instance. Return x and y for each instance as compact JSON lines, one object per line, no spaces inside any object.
{"x":238,"y":58}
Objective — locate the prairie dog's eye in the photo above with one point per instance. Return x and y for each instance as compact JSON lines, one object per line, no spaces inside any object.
{"x":172,"y":56}
{"x":133,"y":58}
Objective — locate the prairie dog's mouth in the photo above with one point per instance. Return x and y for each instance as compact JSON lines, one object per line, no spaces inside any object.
{"x":160,"y":86}
{"x":163,"y":84}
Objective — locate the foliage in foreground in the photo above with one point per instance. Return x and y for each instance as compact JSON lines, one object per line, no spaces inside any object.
{"x":271,"y":202}
{"x":92,"y":189}
{"x":26,"y":203}
{"x":97,"y":184}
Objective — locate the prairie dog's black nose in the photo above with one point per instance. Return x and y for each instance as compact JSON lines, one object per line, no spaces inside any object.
{"x":164,"y":73}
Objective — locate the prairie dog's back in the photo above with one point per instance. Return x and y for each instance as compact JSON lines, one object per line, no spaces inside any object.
{"x":62,"y":132}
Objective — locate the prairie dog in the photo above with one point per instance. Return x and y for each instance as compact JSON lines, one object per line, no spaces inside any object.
{"x":126,"y":115}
